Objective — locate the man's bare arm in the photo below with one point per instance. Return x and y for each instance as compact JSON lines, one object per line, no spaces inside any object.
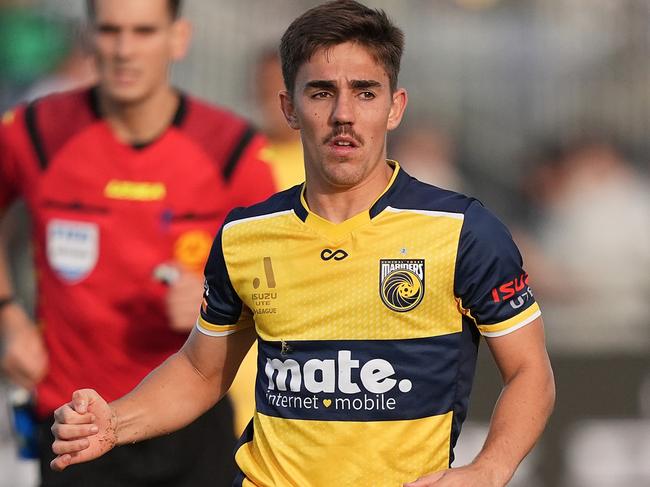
{"x":186,"y":385}
{"x":519,"y":417}
{"x":23,"y":357}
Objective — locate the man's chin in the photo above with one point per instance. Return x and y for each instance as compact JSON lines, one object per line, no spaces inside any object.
{"x":124,"y":95}
{"x":344,"y":174}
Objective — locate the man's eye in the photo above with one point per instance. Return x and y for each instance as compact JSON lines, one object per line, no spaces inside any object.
{"x":145,"y":31}
{"x":367,"y":95}
{"x":107,"y":29}
{"x":321,"y":94}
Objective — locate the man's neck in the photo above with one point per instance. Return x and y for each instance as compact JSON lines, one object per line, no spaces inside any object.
{"x":339,"y":204}
{"x":143,"y":121}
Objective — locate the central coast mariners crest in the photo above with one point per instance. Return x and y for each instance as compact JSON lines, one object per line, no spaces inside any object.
{"x":401,"y":283}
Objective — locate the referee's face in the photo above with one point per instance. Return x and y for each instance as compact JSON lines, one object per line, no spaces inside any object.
{"x":135,"y":42}
{"x":343,"y":106}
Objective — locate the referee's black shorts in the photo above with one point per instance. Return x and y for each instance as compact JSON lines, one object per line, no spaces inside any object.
{"x":199,"y":455}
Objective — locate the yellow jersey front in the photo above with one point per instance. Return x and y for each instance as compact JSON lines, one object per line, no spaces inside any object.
{"x":367,"y":330}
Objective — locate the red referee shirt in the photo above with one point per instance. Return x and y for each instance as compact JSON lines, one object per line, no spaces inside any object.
{"x":106,"y":214}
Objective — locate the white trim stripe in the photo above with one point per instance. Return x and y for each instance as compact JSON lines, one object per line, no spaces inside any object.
{"x":530,"y":319}
{"x":213,"y":333}
{"x":448,"y":214}
{"x":260,"y":217}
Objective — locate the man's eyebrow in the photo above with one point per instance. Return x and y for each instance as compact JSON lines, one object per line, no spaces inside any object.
{"x":140,"y":28}
{"x":364,"y":83}
{"x":355,"y":84}
{"x":107,"y":26}
{"x":321,"y":84}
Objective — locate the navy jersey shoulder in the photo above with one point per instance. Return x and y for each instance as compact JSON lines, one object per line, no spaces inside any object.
{"x":408,"y":193}
{"x":487,"y":255}
{"x":283,"y":201}
{"x":223,"y":305}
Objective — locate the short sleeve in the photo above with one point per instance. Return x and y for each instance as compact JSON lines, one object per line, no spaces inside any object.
{"x":490,"y":281}
{"x":222,"y":311}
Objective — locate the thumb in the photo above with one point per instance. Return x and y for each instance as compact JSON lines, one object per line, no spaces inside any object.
{"x":425,"y":481}
{"x":81,"y":399}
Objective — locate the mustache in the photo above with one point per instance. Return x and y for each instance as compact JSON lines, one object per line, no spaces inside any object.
{"x":344,"y":130}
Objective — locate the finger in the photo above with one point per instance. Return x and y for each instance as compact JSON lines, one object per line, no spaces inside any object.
{"x":60,"y":462}
{"x":66,"y":415}
{"x":426,"y":481}
{"x":72,"y":432}
{"x":74,"y":446}
{"x":80,"y":400}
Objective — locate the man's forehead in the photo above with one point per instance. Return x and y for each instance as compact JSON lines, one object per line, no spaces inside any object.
{"x":132,"y":12}
{"x":346,"y":62}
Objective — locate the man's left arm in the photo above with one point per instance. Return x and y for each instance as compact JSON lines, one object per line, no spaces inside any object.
{"x":493,"y":290}
{"x":523,"y":408}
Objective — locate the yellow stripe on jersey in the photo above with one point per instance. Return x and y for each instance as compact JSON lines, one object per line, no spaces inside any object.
{"x":216,"y":330}
{"x":522,"y":319}
{"x":357,"y":453}
{"x":135,"y":190}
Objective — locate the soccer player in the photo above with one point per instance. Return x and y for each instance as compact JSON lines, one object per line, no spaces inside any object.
{"x":127,"y":183}
{"x":366,"y":290}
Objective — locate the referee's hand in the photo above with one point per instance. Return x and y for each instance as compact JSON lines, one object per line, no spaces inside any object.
{"x":84,"y":429}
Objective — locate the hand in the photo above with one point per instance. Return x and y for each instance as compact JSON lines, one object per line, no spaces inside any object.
{"x":183,"y":300}
{"x":468,"y":476}
{"x":24,"y":357}
{"x":84,"y":429}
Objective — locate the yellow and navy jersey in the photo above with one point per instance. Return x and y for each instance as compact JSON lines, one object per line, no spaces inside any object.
{"x":367,"y":330}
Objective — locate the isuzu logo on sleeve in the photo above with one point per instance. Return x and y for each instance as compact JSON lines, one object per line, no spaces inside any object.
{"x":401,"y":283}
{"x":72,"y":248}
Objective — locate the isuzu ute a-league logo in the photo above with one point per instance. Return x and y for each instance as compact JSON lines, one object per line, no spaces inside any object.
{"x":401,"y":283}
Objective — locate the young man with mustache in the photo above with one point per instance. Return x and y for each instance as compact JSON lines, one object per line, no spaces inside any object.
{"x":366,"y":291}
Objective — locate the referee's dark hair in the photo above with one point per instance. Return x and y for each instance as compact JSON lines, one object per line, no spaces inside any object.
{"x":335,"y":23}
{"x":174,"y":8}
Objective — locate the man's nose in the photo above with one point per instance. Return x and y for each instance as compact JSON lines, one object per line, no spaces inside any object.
{"x":124,"y":45}
{"x":343,"y":110}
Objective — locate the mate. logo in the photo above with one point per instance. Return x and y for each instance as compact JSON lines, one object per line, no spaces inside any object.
{"x":401,"y":283}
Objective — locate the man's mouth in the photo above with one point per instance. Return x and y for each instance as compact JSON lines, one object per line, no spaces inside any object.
{"x":125,"y":75}
{"x":343,"y":141}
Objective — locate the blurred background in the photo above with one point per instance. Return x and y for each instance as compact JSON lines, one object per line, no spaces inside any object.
{"x":540,"y":108}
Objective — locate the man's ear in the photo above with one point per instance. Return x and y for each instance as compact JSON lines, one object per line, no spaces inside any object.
{"x":289,"y":110}
{"x":181,"y":37}
{"x":398,"y":105}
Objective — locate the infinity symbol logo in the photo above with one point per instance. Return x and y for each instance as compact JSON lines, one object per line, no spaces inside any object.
{"x":328,"y":254}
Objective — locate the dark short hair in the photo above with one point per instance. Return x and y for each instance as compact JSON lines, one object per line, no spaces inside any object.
{"x":174,"y":8}
{"x":334,"y":23}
